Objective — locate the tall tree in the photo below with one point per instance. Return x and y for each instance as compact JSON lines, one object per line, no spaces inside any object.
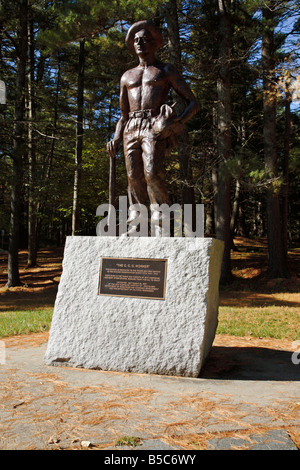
{"x":187,"y":189}
{"x":19,"y":147}
{"x":32,"y":203}
{"x":277,"y":266}
{"x":224,"y":136}
{"x":79,"y":140}
{"x":287,"y":144}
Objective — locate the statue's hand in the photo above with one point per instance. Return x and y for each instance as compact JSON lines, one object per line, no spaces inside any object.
{"x":177,"y":125}
{"x":112,"y":148}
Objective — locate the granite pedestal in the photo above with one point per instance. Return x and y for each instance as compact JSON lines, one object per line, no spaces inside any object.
{"x":169,"y":336}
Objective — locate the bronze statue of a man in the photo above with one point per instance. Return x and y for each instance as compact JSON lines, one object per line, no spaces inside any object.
{"x":147,"y":124}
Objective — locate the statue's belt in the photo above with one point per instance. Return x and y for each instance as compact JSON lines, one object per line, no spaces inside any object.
{"x":143,"y":113}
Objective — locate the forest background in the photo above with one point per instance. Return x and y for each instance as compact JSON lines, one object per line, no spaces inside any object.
{"x":61,"y":63}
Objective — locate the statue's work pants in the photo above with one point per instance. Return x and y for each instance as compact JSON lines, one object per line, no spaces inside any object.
{"x":144,"y":158}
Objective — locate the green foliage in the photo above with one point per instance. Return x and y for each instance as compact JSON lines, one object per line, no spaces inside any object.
{"x":58,"y":26}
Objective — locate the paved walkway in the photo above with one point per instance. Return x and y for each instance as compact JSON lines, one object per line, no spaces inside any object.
{"x":248,"y":397}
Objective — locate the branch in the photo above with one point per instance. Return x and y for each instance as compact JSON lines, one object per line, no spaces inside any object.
{"x":49,"y":136}
{"x":14,"y":42}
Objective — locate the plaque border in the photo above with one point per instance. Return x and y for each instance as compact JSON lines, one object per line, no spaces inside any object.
{"x":135,"y":296}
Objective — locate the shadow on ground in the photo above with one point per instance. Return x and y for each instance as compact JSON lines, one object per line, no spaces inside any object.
{"x":250,"y":363}
{"x":44,"y":297}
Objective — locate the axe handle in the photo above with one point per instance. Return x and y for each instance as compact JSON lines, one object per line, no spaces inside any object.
{"x":112,"y":186}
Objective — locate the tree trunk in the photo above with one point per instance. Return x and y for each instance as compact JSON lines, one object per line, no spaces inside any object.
{"x":277,"y":261}
{"x":214,"y":167}
{"x":79,"y":140}
{"x":209,"y":219}
{"x":214,"y":181}
{"x":32,"y":204}
{"x":18,"y":149}
{"x":187,"y":188}
{"x":237,"y":192}
{"x":48,"y":161}
{"x":224,"y":137}
{"x":55,"y":118}
{"x":235,"y":209}
{"x":287,"y":142}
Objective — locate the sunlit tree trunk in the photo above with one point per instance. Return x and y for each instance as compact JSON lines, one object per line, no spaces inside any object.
{"x":79,"y":141}
{"x":224,"y":137}
{"x":277,"y":260}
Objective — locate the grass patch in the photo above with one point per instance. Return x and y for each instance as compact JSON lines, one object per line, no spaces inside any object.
{"x":128,"y":441}
{"x":25,"y":321}
{"x":260,"y":322}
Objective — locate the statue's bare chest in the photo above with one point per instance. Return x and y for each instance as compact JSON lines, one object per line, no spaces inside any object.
{"x":151,"y":76}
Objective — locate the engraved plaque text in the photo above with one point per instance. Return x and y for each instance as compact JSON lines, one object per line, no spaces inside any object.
{"x":133,"y":277}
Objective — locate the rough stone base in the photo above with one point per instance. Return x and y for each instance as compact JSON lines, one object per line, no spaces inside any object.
{"x":167,"y":337}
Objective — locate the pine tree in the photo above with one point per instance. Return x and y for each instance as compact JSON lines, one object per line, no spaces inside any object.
{"x":224,"y":136}
{"x":20,"y":43}
{"x":277,"y":260}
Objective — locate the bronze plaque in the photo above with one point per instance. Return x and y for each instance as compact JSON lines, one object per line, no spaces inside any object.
{"x":133,"y":277}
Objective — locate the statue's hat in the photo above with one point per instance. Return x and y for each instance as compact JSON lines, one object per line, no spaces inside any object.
{"x":152,"y":30}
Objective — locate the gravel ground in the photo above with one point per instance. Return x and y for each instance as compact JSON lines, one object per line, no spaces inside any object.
{"x":248,"y":397}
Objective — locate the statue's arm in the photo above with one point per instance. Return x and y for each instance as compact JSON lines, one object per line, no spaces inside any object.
{"x":114,"y":145}
{"x":182,"y":89}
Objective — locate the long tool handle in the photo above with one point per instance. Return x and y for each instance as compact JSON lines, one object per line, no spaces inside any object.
{"x":112,"y":187}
